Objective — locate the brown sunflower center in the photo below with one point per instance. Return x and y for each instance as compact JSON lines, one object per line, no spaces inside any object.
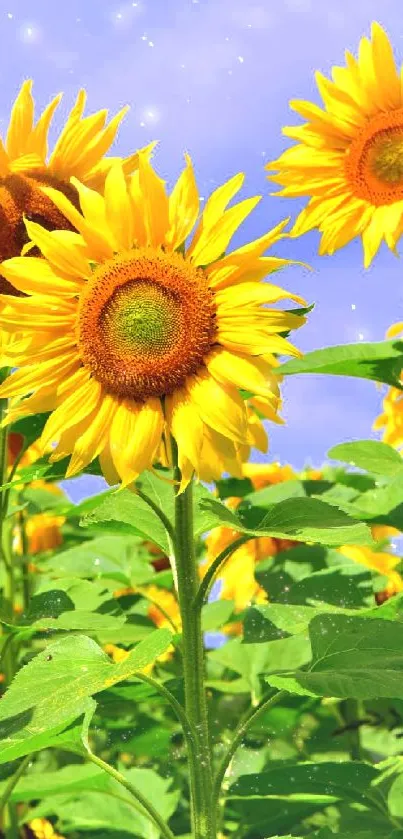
{"x":146,"y":322}
{"x":21,"y":195}
{"x":374,"y":164}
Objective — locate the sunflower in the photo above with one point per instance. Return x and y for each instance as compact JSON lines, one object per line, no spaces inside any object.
{"x":137,"y":336}
{"x":264,"y":474}
{"x":25,"y":167}
{"x":391,"y":420}
{"x":349,"y":157}
{"x":381,"y":562}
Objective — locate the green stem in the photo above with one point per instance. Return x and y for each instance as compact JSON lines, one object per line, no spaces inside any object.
{"x":211,"y":572}
{"x":350,"y":713}
{"x":13,"y":781}
{"x":149,"y":809}
{"x":158,"y":512}
{"x":203,"y":814}
{"x":188,"y":730}
{"x":249,"y":718}
{"x":26,"y":593}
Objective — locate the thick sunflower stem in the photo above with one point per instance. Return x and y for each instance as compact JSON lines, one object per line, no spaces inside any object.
{"x":200,"y":761}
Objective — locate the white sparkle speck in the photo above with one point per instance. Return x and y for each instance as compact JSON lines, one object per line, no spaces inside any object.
{"x":150,"y":43}
{"x":353,"y":306}
{"x":10,"y":15}
{"x":240,"y":59}
{"x":360,"y":336}
{"x":30,"y":34}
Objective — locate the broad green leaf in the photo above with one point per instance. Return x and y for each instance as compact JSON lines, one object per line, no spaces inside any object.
{"x":249,"y":660}
{"x":380,"y":362}
{"x":72,"y":778}
{"x":129,"y":510}
{"x":52,"y":689}
{"x":352,"y":657}
{"x":112,"y":811}
{"x":269,"y":622}
{"x":347,"y":586}
{"x":341,"y":780}
{"x":371,"y":455}
{"x":301,"y":519}
{"x":105,"y":556}
{"x":216,"y":614}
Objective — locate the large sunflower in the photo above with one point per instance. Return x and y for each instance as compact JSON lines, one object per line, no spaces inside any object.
{"x":25,"y":166}
{"x":349,"y":157}
{"x":130,"y":336}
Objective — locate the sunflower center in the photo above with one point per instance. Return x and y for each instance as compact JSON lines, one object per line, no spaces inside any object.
{"x":374,"y":164}
{"x":146,"y":322}
{"x":21,"y":195}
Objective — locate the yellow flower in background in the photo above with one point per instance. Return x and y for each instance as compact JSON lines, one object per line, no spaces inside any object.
{"x":163,"y":610}
{"x":391,"y":420}
{"x":349,"y":157}
{"x":122,"y":317}
{"x":264,"y":474}
{"x":382,"y":562}
{"x":25,"y":166}
{"x":237,"y":576}
{"x":43,"y":829}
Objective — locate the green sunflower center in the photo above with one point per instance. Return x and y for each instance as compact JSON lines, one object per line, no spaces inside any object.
{"x":387,"y":159}
{"x":142,"y":318}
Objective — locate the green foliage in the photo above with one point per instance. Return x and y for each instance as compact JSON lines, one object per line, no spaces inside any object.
{"x":380,"y":362}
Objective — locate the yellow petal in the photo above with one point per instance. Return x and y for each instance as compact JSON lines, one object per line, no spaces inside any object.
{"x":215,"y":207}
{"x":250,"y":294}
{"x":33,"y":275}
{"x":49,"y":372}
{"x":21,"y":121}
{"x":183,"y":207}
{"x":63,"y":248}
{"x":93,"y":208}
{"x":75,"y":407}
{"x":385,"y":68}
{"x":118,"y":208}
{"x":93,"y":151}
{"x":38,"y":139}
{"x":95,"y":240}
{"x":154,"y":203}
{"x":186,"y":427}
{"x":251,"y":374}
{"x":149,"y":428}
{"x":93,"y":440}
{"x":218,"y":405}
{"x":122,"y":434}
{"x":215,"y":240}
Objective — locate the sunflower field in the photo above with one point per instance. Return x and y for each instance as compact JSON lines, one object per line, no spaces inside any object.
{"x":211,"y":646}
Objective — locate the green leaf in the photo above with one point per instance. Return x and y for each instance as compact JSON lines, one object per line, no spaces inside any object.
{"x":127,"y":508}
{"x":216,"y":614}
{"x":371,"y":455}
{"x":301,"y":519}
{"x":105,"y":556}
{"x":249,"y":660}
{"x":270,"y":622}
{"x":346,"y":586}
{"x":68,"y":779}
{"x":352,"y":657}
{"x":380,"y":362}
{"x":111,"y":811}
{"x":52,"y":690}
{"x":340,"y":780}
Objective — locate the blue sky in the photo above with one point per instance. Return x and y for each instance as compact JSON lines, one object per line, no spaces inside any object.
{"x":213,"y":77}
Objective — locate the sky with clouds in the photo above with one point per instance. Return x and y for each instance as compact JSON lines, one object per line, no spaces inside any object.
{"x":213,"y":78}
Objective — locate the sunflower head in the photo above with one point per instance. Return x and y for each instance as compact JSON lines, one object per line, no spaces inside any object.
{"x":349,"y":157}
{"x":140,"y":332}
{"x":25,"y":167}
